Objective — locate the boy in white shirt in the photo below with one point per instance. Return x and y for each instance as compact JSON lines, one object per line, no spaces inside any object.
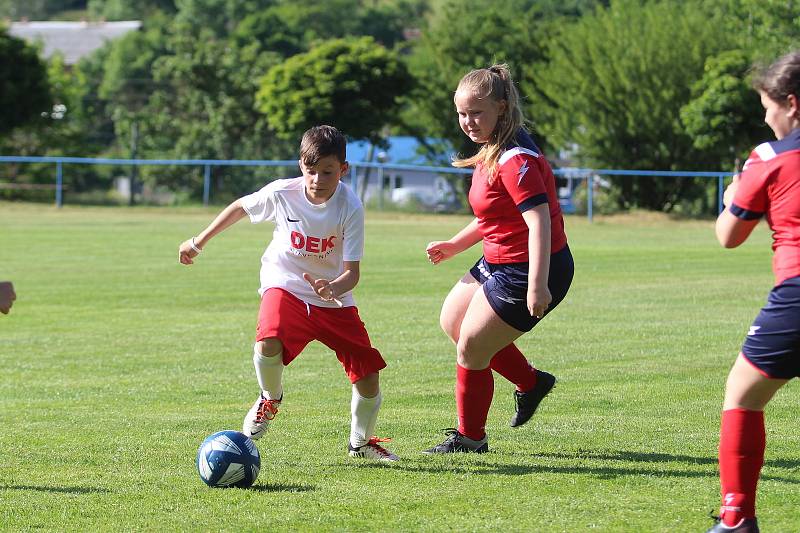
{"x":307,"y":274}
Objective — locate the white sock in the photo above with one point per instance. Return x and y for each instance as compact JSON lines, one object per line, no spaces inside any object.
{"x":364,"y":413}
{"x":269,"y":372}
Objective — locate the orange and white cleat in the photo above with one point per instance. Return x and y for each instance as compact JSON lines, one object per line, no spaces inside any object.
{"x":373,"y":450}
{"x":259,"y":416}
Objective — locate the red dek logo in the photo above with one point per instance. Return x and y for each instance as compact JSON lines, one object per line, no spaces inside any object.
{"x":312,"y":244}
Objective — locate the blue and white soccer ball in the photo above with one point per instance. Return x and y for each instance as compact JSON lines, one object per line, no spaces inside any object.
{"x":228,"y":459}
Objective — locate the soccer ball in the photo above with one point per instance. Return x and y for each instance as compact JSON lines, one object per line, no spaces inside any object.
{"x":228,"y":459}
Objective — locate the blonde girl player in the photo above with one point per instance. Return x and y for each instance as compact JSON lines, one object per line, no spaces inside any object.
{"x":526,"y":268}
{"x":769,"y":186}
{"x":307,"y":274}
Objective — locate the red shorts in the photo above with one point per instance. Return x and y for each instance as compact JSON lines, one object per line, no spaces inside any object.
{"x":285,"y":317}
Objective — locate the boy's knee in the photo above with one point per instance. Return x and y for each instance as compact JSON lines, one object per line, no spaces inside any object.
{"x":269,"y":347}
{"x":368,"y":386}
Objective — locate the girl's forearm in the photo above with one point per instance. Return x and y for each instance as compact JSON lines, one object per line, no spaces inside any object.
{"x":538,"y":221}
{"x":469,"y":236}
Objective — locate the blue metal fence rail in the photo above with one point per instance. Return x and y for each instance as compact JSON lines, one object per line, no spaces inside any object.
{"x":588,"y":173}
{"x":568,"y":172}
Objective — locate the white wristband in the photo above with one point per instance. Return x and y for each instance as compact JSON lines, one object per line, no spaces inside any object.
{"x":194,"y":246}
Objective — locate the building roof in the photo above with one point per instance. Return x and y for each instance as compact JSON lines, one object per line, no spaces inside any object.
{"x":73,"y":39}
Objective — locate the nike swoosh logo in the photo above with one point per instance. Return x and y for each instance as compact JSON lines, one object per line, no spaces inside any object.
{"x":292,"y":220}
{"x":509,"y":299}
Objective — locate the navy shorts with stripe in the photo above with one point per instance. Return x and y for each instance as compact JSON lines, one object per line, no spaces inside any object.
{"x":773,"y":343}
{"x":506,"y":287}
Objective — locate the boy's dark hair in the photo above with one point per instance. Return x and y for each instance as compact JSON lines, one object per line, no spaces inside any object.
{"x":322,"y":141}
{"x":781,"y":78}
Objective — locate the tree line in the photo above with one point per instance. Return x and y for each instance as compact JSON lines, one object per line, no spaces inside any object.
{"x":630,"y":84}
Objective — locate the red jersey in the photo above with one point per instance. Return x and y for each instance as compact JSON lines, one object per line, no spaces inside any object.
{"x":770,"y":185}
{"x":523,"y":180}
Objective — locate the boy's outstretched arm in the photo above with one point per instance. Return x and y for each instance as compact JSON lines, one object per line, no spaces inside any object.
{"x":189,"y":249}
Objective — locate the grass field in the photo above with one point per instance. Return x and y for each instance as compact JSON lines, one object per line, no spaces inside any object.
{"x":117,"y":362}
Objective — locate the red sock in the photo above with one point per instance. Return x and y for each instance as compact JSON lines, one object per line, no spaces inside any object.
{"x":741,"y":454}
{"x":474,"y":391}
{"x":512,"y":365}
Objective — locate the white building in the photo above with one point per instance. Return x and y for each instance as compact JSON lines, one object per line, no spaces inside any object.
{"x":404,"y":185}
{"x":72,"y":39}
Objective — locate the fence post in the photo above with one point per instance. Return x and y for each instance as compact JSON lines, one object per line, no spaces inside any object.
{"x":59,"y":184}
{"x":380,"y":188}
{"x":589,"y":196}
{"x":354,"y":178}
{"x":206,"y":184}
{"x":720,"y":189}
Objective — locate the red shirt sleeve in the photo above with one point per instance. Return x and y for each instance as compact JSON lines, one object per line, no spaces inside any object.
{"x":523,"y":179}
{"x":750,"y":201}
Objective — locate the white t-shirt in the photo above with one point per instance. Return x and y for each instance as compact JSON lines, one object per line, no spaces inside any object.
{"x":312,"y":238}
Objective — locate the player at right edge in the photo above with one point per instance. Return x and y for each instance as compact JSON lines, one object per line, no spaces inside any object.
{"x":769,"y":186}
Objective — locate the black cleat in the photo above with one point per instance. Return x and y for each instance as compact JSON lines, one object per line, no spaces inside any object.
{"x":527,"y":402}
{"x":745,"y":525}
{"x":456,"y":442}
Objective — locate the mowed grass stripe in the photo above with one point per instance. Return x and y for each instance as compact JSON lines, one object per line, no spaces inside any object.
{"x":118,"y":361}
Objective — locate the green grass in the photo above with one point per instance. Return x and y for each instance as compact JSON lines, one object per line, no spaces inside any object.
{"x":117,"y":362}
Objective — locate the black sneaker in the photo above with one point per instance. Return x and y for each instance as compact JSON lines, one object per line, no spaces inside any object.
{"x":456,"y":442}
{"x":527,"y":402}
{"x":745,"y":525}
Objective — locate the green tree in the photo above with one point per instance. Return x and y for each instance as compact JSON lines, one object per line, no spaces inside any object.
{"x":127,"y":79}
{"x":216,"y":17}
{"x":724,"y":117}
{"x":37,"y":9}
{"x":125,"y":10}
{"x":353,"y":84}
{"x":765,"y":28}
{"x":74,"y":125}
{"x":127,"y":83}
{"x":289,"y":27}
{"x":618,"y":79}
{"x":461,"y":35}
{"x":266,"y":30}
{"x":24,"y":89}
{"x":201,"y":105}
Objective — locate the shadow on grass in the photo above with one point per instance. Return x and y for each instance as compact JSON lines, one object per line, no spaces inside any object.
{"x":601,"y":472}
{"x":629,"y":457}
{"x":472,"y":465}
{"x":650,"y":457}
{"x":282,"y":487}
{"x":64,"y":490}
{"x":783,"y":463}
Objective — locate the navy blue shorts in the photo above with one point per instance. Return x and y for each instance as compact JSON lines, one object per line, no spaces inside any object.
{"x":773,"y":343}
{"x":506,"y":287}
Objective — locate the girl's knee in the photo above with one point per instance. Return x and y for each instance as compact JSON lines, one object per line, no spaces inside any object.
{"x":269,"y":347}
{"x":467,"y":356}
{"x":450,"y":326}
{"x":748,"y":388}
